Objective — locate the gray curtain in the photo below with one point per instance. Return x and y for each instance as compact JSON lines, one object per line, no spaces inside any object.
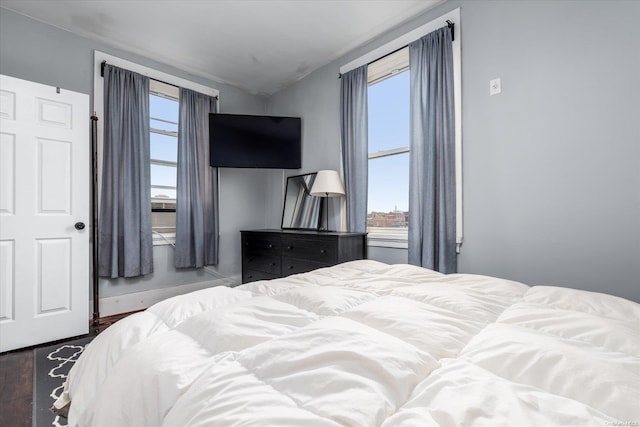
{"x":125,"y":246}
{"x":353,"y":125}
{"x":432,"y":192}
{"x":197,"y":193}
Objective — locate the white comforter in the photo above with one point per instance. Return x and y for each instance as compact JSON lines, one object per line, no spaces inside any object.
{"x":366,"y":344}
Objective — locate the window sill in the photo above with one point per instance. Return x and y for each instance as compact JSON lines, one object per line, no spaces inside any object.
{"x":164,"y":239}
{"x":387,"y":238}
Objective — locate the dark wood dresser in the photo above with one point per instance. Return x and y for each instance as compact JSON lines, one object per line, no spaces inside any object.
{"x":269,"y":254}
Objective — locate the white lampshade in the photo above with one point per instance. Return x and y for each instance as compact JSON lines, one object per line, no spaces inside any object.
{"x":327,"y":184}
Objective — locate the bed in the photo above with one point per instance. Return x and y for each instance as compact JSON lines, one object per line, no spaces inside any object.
{"x":366,"y":344}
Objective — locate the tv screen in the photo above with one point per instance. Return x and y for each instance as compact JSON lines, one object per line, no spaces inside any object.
{"x":244,"y":141}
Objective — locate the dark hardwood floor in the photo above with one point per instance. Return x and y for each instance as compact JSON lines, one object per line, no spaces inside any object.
{"x":16,"y":379}
{"x":16,"y":388}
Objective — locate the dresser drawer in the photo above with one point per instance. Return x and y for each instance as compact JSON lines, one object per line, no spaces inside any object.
{"x":253,"y":276}
{"x":265,"y":263}
{"x":295,"y":265}
{"x":260,"y":244}
{"x":317,"y":250}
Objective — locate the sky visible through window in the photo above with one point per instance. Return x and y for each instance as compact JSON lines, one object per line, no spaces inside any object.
{"x":388,"y":104}
{"x":163,"y":147}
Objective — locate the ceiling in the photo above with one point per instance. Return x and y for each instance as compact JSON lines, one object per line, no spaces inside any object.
{"x":260,"y":46}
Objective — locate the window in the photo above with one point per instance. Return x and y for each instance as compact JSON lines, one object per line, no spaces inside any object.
{"x":385,"y":66}
{"x":163,"y":112}
{"x":388,"y":186}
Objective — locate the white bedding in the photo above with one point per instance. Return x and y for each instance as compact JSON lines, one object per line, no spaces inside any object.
{"x":366,"y":344}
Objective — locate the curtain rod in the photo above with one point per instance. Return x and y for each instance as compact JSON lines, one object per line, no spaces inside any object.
{"x":103,"y":63}
{"x":450,"y":25}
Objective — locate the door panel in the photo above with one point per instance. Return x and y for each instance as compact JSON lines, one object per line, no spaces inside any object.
{"x":54,"y":165}
{"x":7,"y":283}
{"x":44,"y":191}
{"x":7,"y":181}
{"x":54,"y":278}
{"x":53,"y":113}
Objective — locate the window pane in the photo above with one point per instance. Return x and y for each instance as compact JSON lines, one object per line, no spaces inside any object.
{"x":160,"y":125}
{"x":159,"y":194}
{"x":164,"y":147}
{"x":163,"y":175}
{"x":163,"y":222}
{"x":389,"y":113}
{"x":163,"y":108}
{"x":164,"y":114}
{"x":388,"y":191}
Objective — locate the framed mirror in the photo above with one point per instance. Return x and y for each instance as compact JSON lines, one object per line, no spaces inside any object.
{"x":301,"y":210}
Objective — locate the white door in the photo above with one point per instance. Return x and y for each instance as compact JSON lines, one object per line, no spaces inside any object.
{"x":44,"y":192}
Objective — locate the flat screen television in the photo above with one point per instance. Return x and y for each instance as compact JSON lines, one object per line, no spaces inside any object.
{"x":244,"y":141}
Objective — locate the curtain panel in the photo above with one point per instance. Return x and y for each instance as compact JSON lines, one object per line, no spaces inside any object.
{"x":354,"y":133}
{"x":125,"y":245}
{"x":197,"y":226}
{"x":432,"y":194}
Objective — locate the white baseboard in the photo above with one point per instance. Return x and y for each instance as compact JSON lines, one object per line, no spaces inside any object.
{"x":141,"y":300}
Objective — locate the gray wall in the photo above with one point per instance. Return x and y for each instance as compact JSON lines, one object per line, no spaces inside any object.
{"x":41,"y":53}
{"x":315,"y":99}
{"x":552,"y":165}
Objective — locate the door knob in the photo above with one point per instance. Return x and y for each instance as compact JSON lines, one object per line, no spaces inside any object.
{"x":79,"y":225}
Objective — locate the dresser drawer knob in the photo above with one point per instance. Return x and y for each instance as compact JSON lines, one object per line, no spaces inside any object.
{"x":270,"y":246}
{"x":273,"y":264}
{"x":289,"y":247}
{"x":323,"y":251}
{"x":290,"y":267}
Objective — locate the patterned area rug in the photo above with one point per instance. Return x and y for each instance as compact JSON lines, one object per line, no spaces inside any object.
{"x":51,"y":366}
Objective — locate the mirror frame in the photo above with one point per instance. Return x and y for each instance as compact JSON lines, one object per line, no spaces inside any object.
{"x":284,"y":207}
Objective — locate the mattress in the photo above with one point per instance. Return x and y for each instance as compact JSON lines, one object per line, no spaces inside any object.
{"x":366,"y":344}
